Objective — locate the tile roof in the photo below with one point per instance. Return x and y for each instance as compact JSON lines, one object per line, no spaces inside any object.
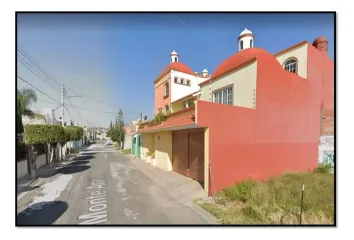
{"x":179,"y":119}
{"x":177,"y":66}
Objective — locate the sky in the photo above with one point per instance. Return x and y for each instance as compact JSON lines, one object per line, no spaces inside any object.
{"x":113,"y":59}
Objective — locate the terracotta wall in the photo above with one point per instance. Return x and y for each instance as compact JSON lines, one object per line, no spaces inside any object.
{"x":280,"y":135}
{"x":160,"y":100}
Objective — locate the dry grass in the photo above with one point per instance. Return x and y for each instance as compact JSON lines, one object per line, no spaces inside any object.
{"x":277,"y":201}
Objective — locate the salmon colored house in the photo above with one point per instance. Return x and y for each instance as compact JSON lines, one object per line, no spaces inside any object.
{"x":259,"y":115}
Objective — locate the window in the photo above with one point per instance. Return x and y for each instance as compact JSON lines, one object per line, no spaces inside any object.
{"x":190,"y":104}
{"x":188,"y":82}
{"x":182,"y":80}
{"x":241,"y":44}
{"x":251,"y":42}
{"x":176,"y":59}
{"x":167,"y":89}
{"x":291,"y":65}
{"x":185,"y":105}
{"x":223,"y":96}
{"x":176,"y":79}
{"x":167,"y":108}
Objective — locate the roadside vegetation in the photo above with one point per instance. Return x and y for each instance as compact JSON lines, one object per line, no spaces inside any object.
{"x":126,"y":151}
{"x":277,"y":201}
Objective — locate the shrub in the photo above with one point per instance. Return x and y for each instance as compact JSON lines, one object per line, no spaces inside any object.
{"x":324,"y":168}
{"x":160,"y":117}
{"x":42,"y":134}
{"x":75,"y":132}
{"x":240,"y":191}
{"x":74,"y":150}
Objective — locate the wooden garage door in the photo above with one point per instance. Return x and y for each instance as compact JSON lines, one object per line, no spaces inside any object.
{"x":180,"y":152}
{"x":196,"y":155}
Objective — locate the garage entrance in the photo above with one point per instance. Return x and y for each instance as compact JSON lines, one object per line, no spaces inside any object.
{"x":188,"y":153}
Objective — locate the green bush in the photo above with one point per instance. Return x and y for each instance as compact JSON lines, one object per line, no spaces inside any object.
{"x":324,"y":168}
{"x":74,"y":150}
{"x":67,"y":136}
{"x":160,"y":117}
{"x":240,"y":191}
{"x":42,"y":134}
{"x":75,"y":132}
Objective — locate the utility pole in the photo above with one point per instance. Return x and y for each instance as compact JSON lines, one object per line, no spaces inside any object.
{"x":141,"y":117}
{"x":62,"y":104}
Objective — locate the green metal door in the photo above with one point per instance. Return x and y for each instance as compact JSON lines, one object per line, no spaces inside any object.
{"x":138,"y":145}
{"x":133,"y":145}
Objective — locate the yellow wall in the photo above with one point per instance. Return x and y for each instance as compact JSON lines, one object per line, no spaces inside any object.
{"x":245,"y":85}
{"x":178,"y":106}
{"x":148,"y":144}
{"x":163,"y":150}
{"x":301,"y":54}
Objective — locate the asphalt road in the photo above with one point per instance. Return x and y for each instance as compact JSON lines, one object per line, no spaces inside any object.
{"x":106,"y":188}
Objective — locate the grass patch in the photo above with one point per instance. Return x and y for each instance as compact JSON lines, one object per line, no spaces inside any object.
{"x":126,"y":151}
{"x":276,"y":201}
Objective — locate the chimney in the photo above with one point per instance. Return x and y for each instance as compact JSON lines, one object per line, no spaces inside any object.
{"x":321,"y":43}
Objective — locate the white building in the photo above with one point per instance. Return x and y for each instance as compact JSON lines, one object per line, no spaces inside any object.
{"x":49,"y":114}
{"x":176,"y":81}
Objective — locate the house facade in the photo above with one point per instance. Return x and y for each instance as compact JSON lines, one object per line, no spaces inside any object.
{"x":258,"y":115}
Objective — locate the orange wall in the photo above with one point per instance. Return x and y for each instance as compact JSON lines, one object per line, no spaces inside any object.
{"x":320,"y":62}
{"x":160,"y":101}
{"x":280,"y":135}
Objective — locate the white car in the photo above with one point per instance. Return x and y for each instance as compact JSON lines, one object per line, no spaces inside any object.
{"x":108,"y":143}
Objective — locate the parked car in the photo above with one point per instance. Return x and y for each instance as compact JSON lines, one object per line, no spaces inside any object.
{"x":109,"y":143}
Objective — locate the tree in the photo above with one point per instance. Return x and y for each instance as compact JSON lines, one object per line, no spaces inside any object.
{"x":39,"y":134}
{"x":25,"y":97}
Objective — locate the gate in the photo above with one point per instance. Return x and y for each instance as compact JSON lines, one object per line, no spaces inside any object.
{"x":188,"y":153}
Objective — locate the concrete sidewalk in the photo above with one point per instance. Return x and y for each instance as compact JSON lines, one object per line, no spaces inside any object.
{"x":183,"y":189}
{"x":177,"y":185}
{"x":26,"y":184}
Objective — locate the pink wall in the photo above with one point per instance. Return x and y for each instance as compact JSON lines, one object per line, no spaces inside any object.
{"x":160,"y":101}
{"x":280,"y":135}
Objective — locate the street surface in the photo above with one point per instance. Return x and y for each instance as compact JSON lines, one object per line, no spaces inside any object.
{"x":102,"y":186}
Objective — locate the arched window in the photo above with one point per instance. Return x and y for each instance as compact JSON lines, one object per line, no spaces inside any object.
{"x":241,"y":44}
{"x":291,"y":65}
{"x":167,"y":89}
{"x":176,"y":59}
{"x":251,"y":43}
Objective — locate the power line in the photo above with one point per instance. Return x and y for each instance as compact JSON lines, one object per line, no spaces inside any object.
{"x":38,"y":89}
{"x":38,"y":66}
{"x":85,"y":95}
{"x":87,"y":109}
{"x":210,"y":41}
{"x":35,"y":73}
{"x":48,"y":76}
{"x":69,"y":112}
